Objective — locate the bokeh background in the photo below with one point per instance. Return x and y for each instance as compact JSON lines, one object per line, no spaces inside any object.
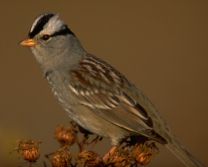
{"x":160,"y":45}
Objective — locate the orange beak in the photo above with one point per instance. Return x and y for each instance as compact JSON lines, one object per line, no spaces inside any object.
{"x":28,"y":42}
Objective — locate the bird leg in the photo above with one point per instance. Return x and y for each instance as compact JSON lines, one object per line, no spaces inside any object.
{"x":86,"y":135}
{"x":94,"y":141}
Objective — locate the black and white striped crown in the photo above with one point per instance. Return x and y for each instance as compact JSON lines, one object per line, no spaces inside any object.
{"x":50,"y":24}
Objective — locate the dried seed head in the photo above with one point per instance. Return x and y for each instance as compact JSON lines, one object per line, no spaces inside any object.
{"x":29,"y":150}
{"x":143,"y":153}
{"x":31,"y":154}
{"x":60,"y":158}
{"x":120,"y":161}
{"x":89,"y":159}
{"x":118,"y":157}
{"x":65,"y":135}
{"x":143,"y":158}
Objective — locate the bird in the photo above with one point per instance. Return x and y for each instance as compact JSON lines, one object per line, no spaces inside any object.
{"x":94,"y":94}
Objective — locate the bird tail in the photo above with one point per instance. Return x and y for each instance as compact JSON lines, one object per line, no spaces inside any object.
{"x":183,"y":154}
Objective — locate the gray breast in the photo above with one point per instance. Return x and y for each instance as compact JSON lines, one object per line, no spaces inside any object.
{"x":58,"y":85}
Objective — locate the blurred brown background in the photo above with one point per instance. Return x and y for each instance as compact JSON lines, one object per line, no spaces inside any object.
{"x":159,"y":45}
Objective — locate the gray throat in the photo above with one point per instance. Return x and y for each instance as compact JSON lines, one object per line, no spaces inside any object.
{"x":64,"y":57}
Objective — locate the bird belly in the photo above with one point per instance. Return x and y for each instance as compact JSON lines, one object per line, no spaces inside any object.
{"x":96,"y":124}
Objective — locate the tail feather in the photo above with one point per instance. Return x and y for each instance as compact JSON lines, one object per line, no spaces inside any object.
{"x":183,"y":154}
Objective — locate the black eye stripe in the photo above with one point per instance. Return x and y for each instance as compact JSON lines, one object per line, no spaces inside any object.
{"x":40,"y":24}
{"x":64,"y":31}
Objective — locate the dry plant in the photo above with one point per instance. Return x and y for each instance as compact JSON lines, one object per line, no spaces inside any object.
{"x":133,"y":151}
{"x":29,"y":150}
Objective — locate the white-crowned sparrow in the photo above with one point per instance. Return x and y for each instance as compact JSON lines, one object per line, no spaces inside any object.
{"x":96,"y":95}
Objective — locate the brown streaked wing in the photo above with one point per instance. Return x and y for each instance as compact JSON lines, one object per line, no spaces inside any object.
{"x":100,"y":87}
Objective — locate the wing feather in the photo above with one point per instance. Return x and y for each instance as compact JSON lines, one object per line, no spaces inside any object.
{"x":103,"y":89}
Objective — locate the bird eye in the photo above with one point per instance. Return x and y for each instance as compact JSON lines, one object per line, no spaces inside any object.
{"x":45,"y":37}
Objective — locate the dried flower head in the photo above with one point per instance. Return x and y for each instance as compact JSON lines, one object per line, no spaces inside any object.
{"x":143,"y":152}
{"x":29,"y":150}
{"x":89,"y":159}
{"x":60,"y":158}
{"x":65,"y":135}
{"x":118,"y":157}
